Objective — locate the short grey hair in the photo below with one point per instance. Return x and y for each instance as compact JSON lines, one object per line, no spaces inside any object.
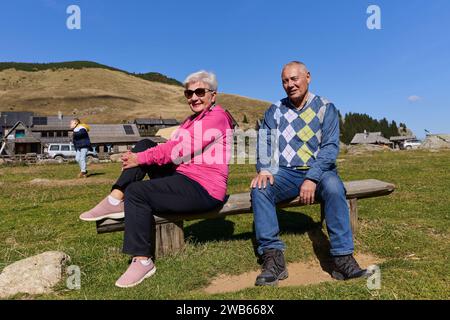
{"x":202,"y":76}
{"x":296,"y":63}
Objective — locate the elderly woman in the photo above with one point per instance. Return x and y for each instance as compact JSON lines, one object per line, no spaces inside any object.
{"x":188,"y":173}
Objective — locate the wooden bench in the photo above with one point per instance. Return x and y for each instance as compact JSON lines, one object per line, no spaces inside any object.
{"x":168,"y":235}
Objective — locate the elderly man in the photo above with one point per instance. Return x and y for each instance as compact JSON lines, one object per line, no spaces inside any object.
{"x":298,"y":144}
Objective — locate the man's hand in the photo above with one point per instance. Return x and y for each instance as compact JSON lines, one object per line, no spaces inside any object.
{"x":129,"y":160}
{"x":261,"y":180}
{"x":307,"y":191}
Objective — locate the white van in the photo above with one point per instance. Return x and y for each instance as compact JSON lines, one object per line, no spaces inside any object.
{"x":411,"y":144}
{"x":66,"y":151}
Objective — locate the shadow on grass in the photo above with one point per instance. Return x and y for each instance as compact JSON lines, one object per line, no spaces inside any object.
{"x":95,"y":174}
{"x":214,"y":230}
{"x":321,"y":248}
{"x":289,"y":222}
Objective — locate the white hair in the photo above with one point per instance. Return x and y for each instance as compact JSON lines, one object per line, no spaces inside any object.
{"x":202,"y":76}
{"x":297,"y":63}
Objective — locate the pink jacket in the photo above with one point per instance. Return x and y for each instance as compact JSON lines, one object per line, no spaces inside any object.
{"x":201,"y":149}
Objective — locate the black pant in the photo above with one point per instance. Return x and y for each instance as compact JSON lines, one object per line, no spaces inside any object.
{"x":166,"y":191}
{"x":138,"y":173}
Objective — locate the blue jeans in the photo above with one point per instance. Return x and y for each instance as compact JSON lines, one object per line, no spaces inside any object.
{"x":330,"y":191}
{"x":80,"y":157}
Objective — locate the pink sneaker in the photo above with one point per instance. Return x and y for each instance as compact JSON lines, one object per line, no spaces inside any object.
{"x":136,"y":273}
{"x":104,"y":210}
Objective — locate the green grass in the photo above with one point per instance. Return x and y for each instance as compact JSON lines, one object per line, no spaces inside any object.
{"x":414,"y":220}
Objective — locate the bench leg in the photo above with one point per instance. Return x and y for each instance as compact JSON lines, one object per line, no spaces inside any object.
{"x":353,"y":208}
{"x":322,"y":214}
{"x":353,"y":211}
{"x":169,"y":238}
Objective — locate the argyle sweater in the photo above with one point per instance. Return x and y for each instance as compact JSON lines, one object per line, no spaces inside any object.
{"x":303,"y":139}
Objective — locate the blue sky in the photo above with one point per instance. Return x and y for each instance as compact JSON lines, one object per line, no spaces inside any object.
{"x":401,"y":72}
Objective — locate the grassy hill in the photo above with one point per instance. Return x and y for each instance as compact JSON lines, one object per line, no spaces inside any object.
{"x":101,"y":94}
{"x":32,"y":67}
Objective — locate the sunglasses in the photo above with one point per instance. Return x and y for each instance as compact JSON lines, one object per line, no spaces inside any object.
{"x":199,"y":92}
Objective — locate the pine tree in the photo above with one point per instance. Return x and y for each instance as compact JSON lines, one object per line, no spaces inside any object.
{"x":353,"y":123}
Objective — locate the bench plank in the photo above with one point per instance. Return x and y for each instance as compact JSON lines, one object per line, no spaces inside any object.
{"x":240,"y":203}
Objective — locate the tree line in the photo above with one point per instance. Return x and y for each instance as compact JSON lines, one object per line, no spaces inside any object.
{"x":353,"y":123}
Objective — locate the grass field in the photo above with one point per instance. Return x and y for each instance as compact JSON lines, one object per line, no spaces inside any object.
{"x":409,"y":230}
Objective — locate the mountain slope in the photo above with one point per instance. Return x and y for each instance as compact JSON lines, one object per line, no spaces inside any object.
{"x":32,"y":67}
{"x":105,"y":95}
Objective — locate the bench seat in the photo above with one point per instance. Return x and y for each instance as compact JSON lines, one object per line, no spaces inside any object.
{"x":169,"y":236}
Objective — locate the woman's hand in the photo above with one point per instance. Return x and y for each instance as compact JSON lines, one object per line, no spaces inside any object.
{"x":129,"y":160}
{"x":261,"y":180}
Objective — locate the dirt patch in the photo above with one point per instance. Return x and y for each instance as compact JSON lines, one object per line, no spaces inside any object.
{"x":69,"y":182}
{"x":358,"y":149}
{"x":300,"y":274}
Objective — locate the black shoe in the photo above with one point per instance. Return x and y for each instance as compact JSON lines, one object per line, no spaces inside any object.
{"x":346,"y":267}
{"x":273,"y":268}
